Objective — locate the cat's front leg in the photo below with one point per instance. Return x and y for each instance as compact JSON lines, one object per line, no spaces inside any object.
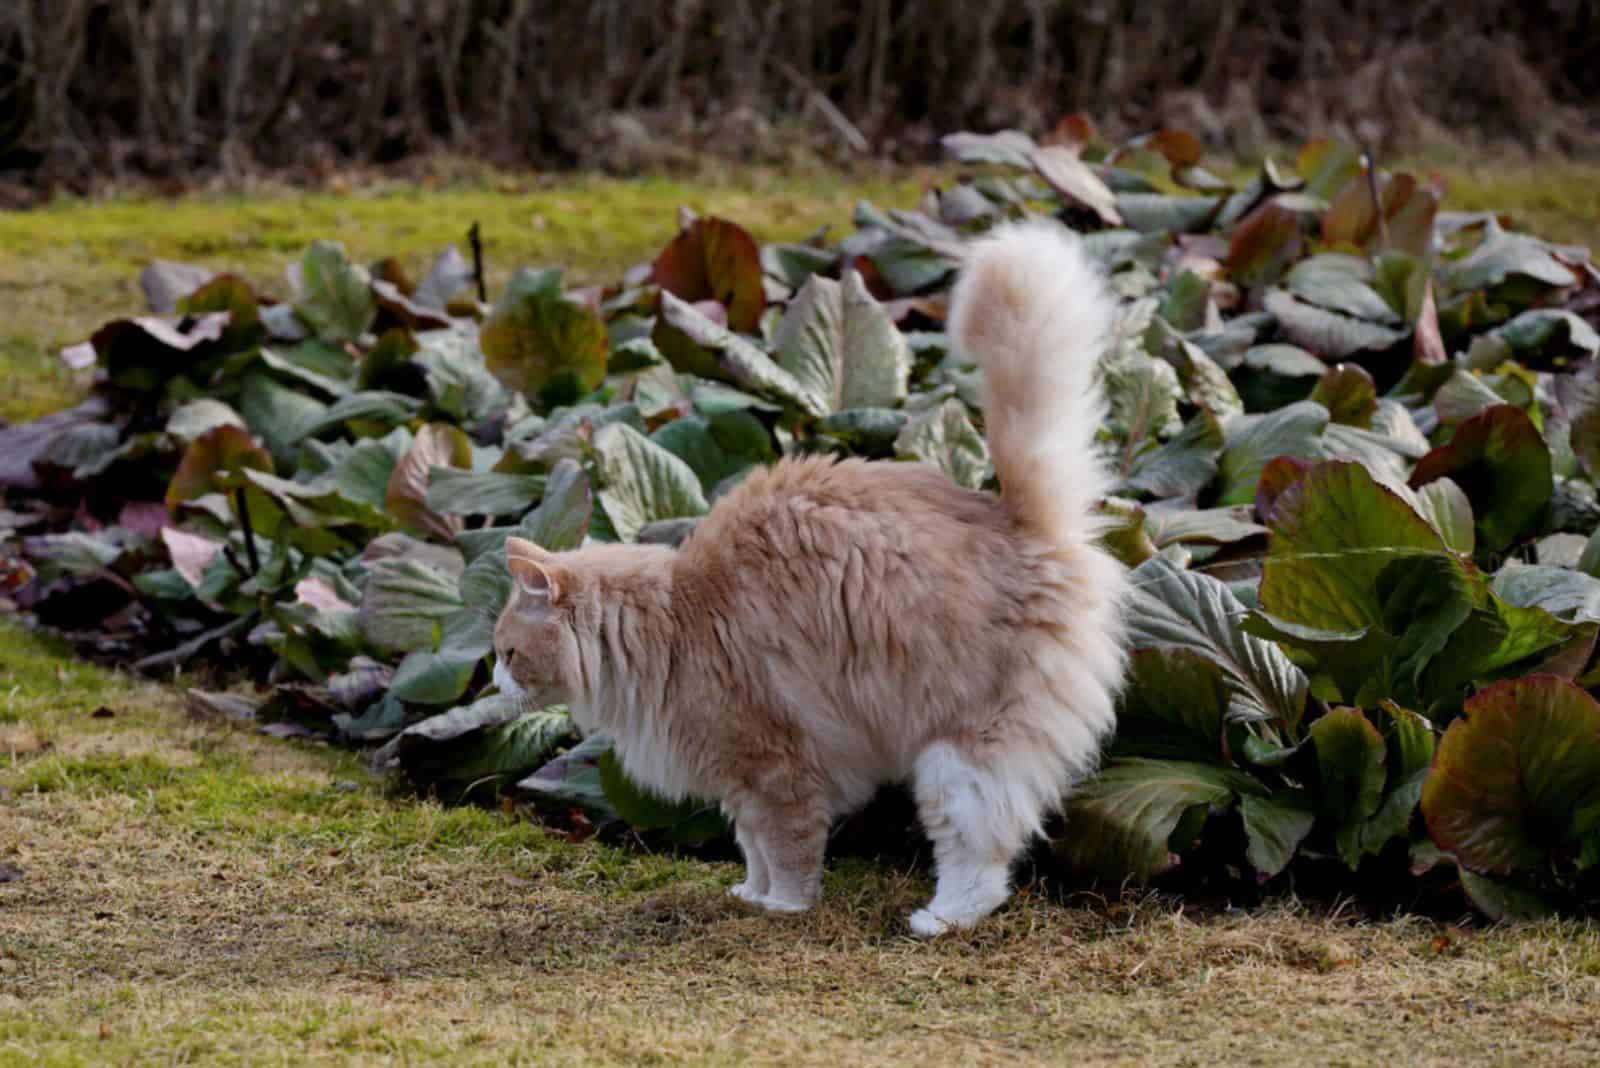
{"x":789,"y":840}
{"x":756,"y":877}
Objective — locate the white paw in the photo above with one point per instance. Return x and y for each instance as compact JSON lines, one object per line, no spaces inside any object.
{"x":779,"y":904}
{"x":925,"y":924}
{"x":744,"y":892}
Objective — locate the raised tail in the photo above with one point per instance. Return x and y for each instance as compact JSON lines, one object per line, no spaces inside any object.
{"x":1034,"y":311}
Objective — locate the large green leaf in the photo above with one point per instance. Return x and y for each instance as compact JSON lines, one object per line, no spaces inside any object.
{"x":440,"y":676}
{"x":1171,"y":609}
{"x":1350,"y":775}
{"x":1517,"y":781}
{"x":562,"y":517}
{"x":1274,"y":827}
{"x":215,"y":462}
{"x":641,"y":482}
{"x":1501,"y":462}
{"x":1333,"y":533}
{"x":1175,"y":705}
{"x":693,"y":343}
{"x":452,"y":491}
{"x":1182,"y":466}
{"x":405,"y":605}
{"x":1255,"y":440}
{"x":334,"y":295}
{"x":483,"y":746}
{"x":688,"y":821}
{"x":1119,"y":823}
{"x":542,"y":343}
{"x":1329,"y":334}
{"x":842,"y":347}
{"x":717,"y":448}
{"x":1570,"y":596}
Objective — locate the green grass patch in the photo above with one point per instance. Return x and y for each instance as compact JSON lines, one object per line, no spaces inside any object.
{"x":69,"y":267}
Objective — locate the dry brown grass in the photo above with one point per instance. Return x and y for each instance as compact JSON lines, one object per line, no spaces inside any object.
{"x":191,"y":893}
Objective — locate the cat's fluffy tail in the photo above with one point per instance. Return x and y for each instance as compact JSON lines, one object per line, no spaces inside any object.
{"x":1033,"y":309}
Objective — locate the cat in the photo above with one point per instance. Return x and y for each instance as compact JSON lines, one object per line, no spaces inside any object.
{"x":833,"y":625}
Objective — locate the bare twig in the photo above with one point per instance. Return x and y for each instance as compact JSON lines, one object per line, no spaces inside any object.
{"x":816,"y":98}
{"x":475,"y":239}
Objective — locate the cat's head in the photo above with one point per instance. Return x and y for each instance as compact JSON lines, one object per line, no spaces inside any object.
{"x":536,"y":640}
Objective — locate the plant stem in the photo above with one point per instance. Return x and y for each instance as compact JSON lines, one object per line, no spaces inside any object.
{"x":249,"y":531}
{"x":476,"y":240}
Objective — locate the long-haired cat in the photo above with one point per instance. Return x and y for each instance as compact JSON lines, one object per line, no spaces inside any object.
{"x":834,"y":625}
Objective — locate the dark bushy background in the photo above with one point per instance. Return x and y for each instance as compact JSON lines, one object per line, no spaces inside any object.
{"x":112,"y":88}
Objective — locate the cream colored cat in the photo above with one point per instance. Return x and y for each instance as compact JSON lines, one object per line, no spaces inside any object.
{"x":835,"y":625}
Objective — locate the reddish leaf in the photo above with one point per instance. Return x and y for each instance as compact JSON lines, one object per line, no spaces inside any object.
{"x":1181,"y":148}
{"x":1277,"y":476}
{"x":717,"y":260}
{"x":1349,"y":394}
{"x":1264,"y":244}
{"x":1071,"y":131}
{"x":1500,"y":461}
{"x":1517,"y":776}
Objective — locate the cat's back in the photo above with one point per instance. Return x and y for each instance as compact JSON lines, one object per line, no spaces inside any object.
{"x":822,"y":508}
{"x":813,"y":538}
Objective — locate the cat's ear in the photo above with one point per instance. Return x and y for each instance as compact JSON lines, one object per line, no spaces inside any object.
{"x":536,"y":572}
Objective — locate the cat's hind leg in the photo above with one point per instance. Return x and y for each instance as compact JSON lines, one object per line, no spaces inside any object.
{"x":978,"y":823}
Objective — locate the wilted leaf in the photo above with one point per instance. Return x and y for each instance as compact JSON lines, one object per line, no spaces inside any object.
{"x":165,"y":283}
{"x":406,"y":498}
{"x":1074,"y":180}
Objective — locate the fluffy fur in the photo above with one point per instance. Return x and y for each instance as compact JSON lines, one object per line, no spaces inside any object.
{"x":832,"y":626}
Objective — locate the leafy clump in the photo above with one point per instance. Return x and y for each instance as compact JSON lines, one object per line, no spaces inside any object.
{"x":1356,"y":439}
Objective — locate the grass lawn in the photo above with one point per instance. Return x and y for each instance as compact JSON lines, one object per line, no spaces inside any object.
{"x":181,"y":891}
{"x":177,"y":891}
